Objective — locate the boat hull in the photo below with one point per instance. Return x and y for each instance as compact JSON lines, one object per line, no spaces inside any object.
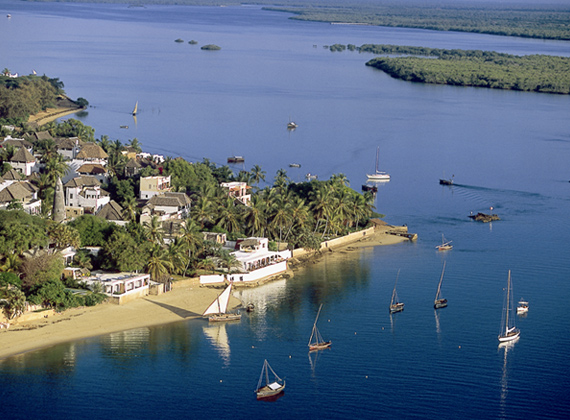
{"x":440,"y":303}
{"x":320,"y":346}
{"x":513,"y":335}
{"x":398,"y":307}
{"x":224,"y":317}
{"x":445,"y":182}
{"x":378,"y":177}
{"x":444,"y":247}
{"x":265,"y":392}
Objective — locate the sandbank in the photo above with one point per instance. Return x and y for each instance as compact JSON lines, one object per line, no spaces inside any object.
{"x":186,"y":301}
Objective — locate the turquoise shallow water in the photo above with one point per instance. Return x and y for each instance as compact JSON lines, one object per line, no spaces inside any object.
{"x":508,"y":150}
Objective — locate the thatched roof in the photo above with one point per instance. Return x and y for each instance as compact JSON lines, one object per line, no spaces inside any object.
{"x":68,"y":143}
{"x":111,"y":211}
{"x":92,"y":151}
{"x":23,"y":156}
{"x":15,"y":191}
{"x":13,"y":175}
{"x":92,"y":169}
{"x":170,"y":199}
{"x":82,"y":181}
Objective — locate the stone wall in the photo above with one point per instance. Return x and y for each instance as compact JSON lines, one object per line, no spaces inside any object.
{"x":337,"y":242}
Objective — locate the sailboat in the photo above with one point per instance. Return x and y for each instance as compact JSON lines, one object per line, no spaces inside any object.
{"x":270,"y":388}
{"x":217,"y":310}
{"x":291,"y":125}
{"x":522,"y":306}
{"x":439,"y":302}
{"x":378,"y":175}
{"x":316,"y":341}
{"x":508,"y":330}
{"x":396,"y":306}
{"x":445,"y":246}
{"x":136,"y":109}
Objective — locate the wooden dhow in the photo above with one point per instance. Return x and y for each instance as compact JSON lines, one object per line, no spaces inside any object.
{"x":268,"y":388}
{"x":217,"y":311}
{"x":439,"y":302}
{"x":316,"y":341}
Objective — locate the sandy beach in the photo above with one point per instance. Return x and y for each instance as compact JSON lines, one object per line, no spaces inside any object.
{"x":186,"y":301}
{"x":65,"y":107}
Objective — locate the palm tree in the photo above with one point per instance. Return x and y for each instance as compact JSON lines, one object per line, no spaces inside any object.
{"x":105,"y":143}
{"x":130,"y":209}
{"x":340,"y":179}
{"x":207,"y":264}
{"x":55,"y":167}
{"x":135,"y":144}
{"x":192,"y":238}
{"x":202,"y":211}
{"x":255,"y":216}
{"x":11,"y":264}
{"x":257,"y":175}
{"x":176,"y":255}
{"x":280,"y":214}
{"x":229,"y":261}
{"x":158,"y":264}
{"x":154,"y":230}
{"x":230,"y":217}
{"x":281,"y":179}
{"x":299,"y":215}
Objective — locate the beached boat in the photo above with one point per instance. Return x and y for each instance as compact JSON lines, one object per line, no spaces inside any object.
{"x":316,"y":341}
{"x":236,"y":159}
{"x":508,"y":330}
{"x":268,"y":389}
{"x":439,"y":302}
{"x":396,"y":306}
{"x":522,"y":307}
{"x":216,"y":312}
{"x":378,"y":175}
{"x":445,"y":246}
{"x":136,"y":109}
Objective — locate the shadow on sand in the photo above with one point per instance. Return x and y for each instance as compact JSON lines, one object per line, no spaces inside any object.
{"x":182,"y":313}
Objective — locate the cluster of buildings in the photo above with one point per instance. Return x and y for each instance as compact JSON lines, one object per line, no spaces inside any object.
{"x":81,"y":192}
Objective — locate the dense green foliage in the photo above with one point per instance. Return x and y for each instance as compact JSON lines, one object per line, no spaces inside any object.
{"x":538,"y":73}
{"x":25,"y":95}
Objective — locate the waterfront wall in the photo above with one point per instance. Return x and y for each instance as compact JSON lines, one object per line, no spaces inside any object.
{"x":337,"y":242}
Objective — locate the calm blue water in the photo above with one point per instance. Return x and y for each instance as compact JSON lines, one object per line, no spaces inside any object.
{"x":508,"y":150}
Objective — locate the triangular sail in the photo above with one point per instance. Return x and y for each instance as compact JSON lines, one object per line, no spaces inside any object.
{"x":135,"y":110}
{"x":265,"y":373}
{"x":220,"y":304}
{"x":315,"y":333}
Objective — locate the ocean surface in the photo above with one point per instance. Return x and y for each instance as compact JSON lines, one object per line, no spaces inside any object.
{"x":507,"y":150}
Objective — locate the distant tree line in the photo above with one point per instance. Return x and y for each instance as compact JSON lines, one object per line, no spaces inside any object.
{"x":537,"y":73}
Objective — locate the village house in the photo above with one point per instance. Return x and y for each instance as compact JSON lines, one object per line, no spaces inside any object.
{"x":92,"y":153}
{"x":94,"y":169}
{"x":24,"y":162}
{"x":85,"y":191}
{"x":122,"y":287}
{"x":238,"y":190}
{"x":22,"y":192}
{"x":112,"y":212}
{"x":132,"y":167}
{"x":153,"y":185}
{"x":167,"y":206}
{"x":68,"y":147}
{"x":17,"y":143}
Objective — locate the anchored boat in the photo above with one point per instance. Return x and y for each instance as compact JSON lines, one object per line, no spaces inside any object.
{"x":439,"y":302}
{"x":396,"y":306}
{"x":217,"y":310}
{"x":508,"y":330}
{"x":269,"y":388}
{"x":316,"y":341}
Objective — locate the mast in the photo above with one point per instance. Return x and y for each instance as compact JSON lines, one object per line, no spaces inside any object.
{"x":440,"y":280}
{"x":377,"y":154}
{"x":315,"y":330}
{"x":394,"y":291}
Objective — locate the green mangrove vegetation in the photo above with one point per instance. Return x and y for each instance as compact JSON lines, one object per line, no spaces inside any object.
{"x":537,"y":73}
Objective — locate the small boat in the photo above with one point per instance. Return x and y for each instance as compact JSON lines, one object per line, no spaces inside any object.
{"x":310,"y":177}
{"x":396,"y":306}
{"x":236,"y":159}
{"x":291,"y":125}
{"x":250,"y":307}
{"x":124,"y":126}
{"x":316,"y":341}
{"x":508,"y":330}
{"x":522,"y":307}
{"x":445,"y":246}
{"x":446,"y":181}
{"x":369,"y":188}
{"x":8,"y":15}
{"x":294,"y":165}
{"x":270,"y":388}
{"x":378,"y":175}
{"x":136,"y":109}
{"x":439,"y":302}
{"x":217,"y":310}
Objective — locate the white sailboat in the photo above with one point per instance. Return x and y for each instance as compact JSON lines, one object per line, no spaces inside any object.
{"x":378,"y":175}
{"x":316,"y":341}
{"x":445,"y":246}
{"x":136,"y":109}
{"x":217,"y":310}
{"x":439,"y":302}
{"x":270,"y":388}
{"x":508,"y":330}
{"x":522,"y":306}
{"x":396,"y":306}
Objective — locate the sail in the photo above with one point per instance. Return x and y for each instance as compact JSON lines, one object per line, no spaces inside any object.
{"x":136,"y":108}
{"x":220,"y":305}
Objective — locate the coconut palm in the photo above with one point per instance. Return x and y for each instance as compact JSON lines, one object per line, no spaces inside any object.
{"x":135,"y":144}
{"x":255,"y":217}
{"x":176,"y":255}
{"x":229,"y":216}
{"x":202,"y":211}
{"x":158,"y":264}
{"x":129,"y":209}
{"x":229,"y":261}
{"x":11,"y":263}
{"x":192,"y":238}
{"x":299,"y":215}
{"x":281,"y":179}
{"x":257,"y":175}
{"x":153,"y":230}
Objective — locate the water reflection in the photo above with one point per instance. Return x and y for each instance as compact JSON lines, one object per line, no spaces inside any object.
{"x":218,"y":337}
{"x":437,"y":325}
{"x":506,"y":346}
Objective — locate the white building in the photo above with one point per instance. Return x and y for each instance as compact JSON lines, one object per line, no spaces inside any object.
{"x":85,"y":191}
{"x":238,"y":190}
{"x":24,"y":162}
{"x":256,"y":262}
{"x":153,"y":185}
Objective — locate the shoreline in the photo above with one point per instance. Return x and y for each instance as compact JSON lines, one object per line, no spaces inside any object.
{"x":52,"y":114}
{"x":186,"y":301}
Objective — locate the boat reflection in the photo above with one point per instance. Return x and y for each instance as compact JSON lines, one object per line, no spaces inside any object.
{"x":506,"y":346}
{"x":273,"y":398}
{"x":437,"y":325}
{"x":218,"y":337}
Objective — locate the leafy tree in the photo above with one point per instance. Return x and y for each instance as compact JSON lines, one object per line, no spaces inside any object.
{"x":122,"y":253}
{"x":39,"y":269}
{"x":12,"y":302}
{"x":20,"y":232}
{"x":93,"y":231}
